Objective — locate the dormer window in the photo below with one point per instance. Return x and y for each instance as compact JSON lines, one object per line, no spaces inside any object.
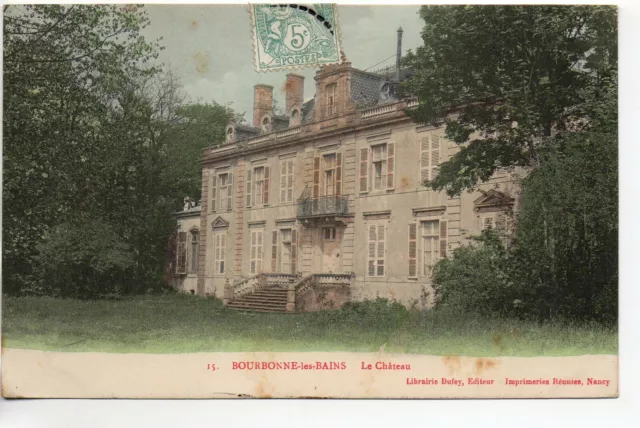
{"x":294,"y":117}
{"x":230,"y":134}
{"x":331,"y":92}
{"x":266,"y":125}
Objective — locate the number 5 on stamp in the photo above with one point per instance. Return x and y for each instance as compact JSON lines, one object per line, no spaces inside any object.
{"x":287,"y":36}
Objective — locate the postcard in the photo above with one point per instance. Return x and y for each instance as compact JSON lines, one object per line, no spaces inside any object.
{"x":310,"y":201}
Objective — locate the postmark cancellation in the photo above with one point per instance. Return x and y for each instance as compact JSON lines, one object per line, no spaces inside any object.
{"x":290,"y":36}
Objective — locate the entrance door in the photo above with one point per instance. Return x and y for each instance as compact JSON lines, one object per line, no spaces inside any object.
{"x":285,"y":250}
{"x":331,"y":250}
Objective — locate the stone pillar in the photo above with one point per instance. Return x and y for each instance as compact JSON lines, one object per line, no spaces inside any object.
{"x":228,"y":293}
{"x":291,"y":298}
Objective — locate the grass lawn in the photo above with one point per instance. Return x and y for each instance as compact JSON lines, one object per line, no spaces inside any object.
{"x":184,"y":323}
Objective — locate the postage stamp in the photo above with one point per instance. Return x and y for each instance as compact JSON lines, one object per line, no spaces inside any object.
{"x":288,"y":36}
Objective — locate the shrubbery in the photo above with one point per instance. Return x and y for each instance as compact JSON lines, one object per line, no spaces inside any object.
{"x":563,"y":263}
{"x":377,"y":311}
{"x":85,"y":259}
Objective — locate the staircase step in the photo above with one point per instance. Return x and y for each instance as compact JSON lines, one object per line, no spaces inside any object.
{"x":256,"y":304}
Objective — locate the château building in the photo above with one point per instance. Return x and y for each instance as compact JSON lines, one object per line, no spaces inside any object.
{"x":326,"y":204}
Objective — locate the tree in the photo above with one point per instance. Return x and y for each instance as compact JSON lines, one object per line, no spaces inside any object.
{"x":504,"y":78}
{"x":61,"y":65}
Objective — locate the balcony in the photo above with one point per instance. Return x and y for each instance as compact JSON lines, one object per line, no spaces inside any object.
{"x":323,"y":206}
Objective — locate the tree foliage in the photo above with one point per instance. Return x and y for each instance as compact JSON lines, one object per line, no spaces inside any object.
{"x":503,"y":78}
{"x":93,"y":131}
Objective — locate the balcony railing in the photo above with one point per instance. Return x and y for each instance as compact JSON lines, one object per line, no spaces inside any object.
{"x":323,"y":206}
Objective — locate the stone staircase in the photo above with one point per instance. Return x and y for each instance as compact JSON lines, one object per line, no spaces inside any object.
{"x":263,"y":300}
{"x":277,"y":292}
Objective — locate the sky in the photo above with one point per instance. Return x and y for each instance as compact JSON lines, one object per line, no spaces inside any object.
{"x":210,"y":47}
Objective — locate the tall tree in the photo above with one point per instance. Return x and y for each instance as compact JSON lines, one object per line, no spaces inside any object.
{"x":504,"y":78}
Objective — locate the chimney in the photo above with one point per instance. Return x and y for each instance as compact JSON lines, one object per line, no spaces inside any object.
{"x":262,"y":103}
{"x":399,"y":54}
{"x":294,"y":92}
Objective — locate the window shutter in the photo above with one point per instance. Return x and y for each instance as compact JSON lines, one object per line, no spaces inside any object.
{"x":424,"y":159}
{"x":181,"y":265}
{"x":487,"y":223}
{"x":413,"y":249}
{"x":381,"y":250}
{"x":274,"y":251}
{"x":223,"y":249}
{"x":290,"y":181}
{"x":214,"y":193}
{"x":443,"y":239}
{"x":391,"y":166}
{"x":260,"y":251}
{"x":249,"y":187}
{"x":435,"y":155}
{"x":316,"y":177}
{"x":372,"y":250}
{"x":283,"y":181}
{"x":230,"y":193}
{"x":266,"y":186}
{"x":364,"y":159}
{"x":338,"y":174}
{"x":294,"y":251}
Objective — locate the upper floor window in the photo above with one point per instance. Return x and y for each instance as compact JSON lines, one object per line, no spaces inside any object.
{"x":377,"y":167}
{"x":331,"y":92}
{"x":222,"y":191}
{"x":429,"y":157}
{"x":286,"y":180}
{"x":258,"y":185}
{"x":329,"y":174}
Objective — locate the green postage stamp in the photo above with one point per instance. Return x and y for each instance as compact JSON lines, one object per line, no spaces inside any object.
{"x":287,"y":36}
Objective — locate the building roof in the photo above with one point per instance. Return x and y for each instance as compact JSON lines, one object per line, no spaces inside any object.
{"x":191,"y":212}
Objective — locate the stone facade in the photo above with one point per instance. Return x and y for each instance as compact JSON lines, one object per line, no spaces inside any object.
{"x":338,"y":189}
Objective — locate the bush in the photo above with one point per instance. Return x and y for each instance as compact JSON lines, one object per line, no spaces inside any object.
{"x":86,"y":259}
{"x":476,"y":279}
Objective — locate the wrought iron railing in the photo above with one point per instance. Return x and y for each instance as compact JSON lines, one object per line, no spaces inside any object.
{"x":324,"y":205}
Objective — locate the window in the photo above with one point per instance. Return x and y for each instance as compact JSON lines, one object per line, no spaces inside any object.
{"x":429,"y":157}
{"x":430,"y":245}
{"x":487,"y":223}
{"x":379,"y":161}
{"x":284,"y":251}
{"x":497,"y":222}
{"x":331,"y":93}
{"x":376,"y":250}
{"x":329,"y":174}
{"x":258,"y":186}
{"x":224,"y":180}
{"x":286,"y":180}
{"x":229,"y":134}
{"x":181,"y":253}
{"x":221,"y":191}
{"x":195,"y":251}
{"x":266,"y":125}
{"x":329,"y":233}
{"x":220,"y":247}
{"x":294,"y":117}
{"x":427,"y":245}
{"x":377,"y":169}
{"x":255,"y":263}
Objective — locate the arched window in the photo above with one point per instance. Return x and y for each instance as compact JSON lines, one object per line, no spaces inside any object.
{"x":230,"y":134}
{"x":294,"y":117}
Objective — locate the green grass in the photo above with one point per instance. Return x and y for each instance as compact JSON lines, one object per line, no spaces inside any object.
{"x":183,"y":323}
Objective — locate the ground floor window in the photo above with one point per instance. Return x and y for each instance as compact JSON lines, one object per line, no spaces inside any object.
{"x":195,"y":251}
{"x":255,"y":262}
{"x":220,"y":247}
{"x":376,"y":250}
{"x":430,"y":245}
